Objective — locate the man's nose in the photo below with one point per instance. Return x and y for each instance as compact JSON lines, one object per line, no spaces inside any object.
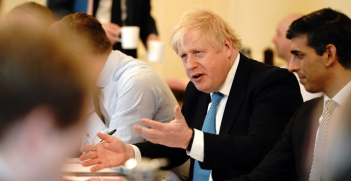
{"x":192,"y":62}
{"x":293,"y":65}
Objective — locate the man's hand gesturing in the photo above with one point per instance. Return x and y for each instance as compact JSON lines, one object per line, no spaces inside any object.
{"x":175,"y":134}
{"x":113,"y":152}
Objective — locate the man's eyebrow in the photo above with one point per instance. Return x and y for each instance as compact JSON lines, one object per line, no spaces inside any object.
{"x":294,"y":52}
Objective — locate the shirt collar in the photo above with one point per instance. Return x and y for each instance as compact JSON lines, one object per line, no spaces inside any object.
{"x":342,"y":96}
{"x":107,"y":73}
{"x":227,"y":85}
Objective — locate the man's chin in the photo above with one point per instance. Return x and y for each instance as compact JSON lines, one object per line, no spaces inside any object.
{"x":311,"y":90}
{"x":202,"y":88}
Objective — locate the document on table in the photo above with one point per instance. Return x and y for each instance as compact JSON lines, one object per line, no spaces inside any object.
{"x":74,"y":171}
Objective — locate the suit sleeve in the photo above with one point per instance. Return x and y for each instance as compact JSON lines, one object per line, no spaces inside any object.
{"x":279,"y":164}
{"x":272,"y":101}
{"x":175,"y":156}
{"x":147,"y":23}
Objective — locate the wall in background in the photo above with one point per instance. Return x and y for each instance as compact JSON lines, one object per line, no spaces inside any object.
{"x":255,"y":21}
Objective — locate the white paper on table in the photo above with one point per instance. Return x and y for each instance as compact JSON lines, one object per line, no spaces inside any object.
{"x":73,"y":165}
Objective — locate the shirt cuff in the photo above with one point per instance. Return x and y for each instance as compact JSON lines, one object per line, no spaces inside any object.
{"x":94,"y":125}
{"x":137,"y":153}
{"x":197,"y":149}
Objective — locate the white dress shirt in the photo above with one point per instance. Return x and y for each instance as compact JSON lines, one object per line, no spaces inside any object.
{"x":103,"y":12}
{"x":197,"y":149}
{"x":131,"y":90}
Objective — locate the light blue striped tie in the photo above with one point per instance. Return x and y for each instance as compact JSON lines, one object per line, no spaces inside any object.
{"x":208,"y":127}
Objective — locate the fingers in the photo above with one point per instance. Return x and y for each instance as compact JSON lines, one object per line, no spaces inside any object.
{"x":112,"y":28}
{"x":115,"y":27}
{"x":149,"y":134}
{"x":112,"y":38}
{"x":86,"y":147}
{"x":91,"y":162}
{"x":178,"y":114}
{"x":98,"y":167}
{"x":87,"y":156}
{"x":107,"y":138}
{"x":154,"y":124}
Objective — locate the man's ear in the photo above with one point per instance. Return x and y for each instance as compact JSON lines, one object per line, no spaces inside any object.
{"x":331,"y":56}
{"x":228,"y":47}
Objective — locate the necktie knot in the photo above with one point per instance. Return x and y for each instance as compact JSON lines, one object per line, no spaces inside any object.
{"x":216,"y":97}
{"x":330,"y":105}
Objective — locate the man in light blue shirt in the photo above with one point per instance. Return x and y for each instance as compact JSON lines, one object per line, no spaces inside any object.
{"x":126,"y":89}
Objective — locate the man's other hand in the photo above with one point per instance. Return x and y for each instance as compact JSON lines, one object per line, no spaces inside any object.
{"x":175,"y":134}
{"x":113,"y":152}
{"x":112,"y":31}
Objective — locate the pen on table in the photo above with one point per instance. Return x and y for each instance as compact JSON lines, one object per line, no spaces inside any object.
{"x":110,"y":133}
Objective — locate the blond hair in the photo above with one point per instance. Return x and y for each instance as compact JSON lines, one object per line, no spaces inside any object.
{"x":209,"y":27}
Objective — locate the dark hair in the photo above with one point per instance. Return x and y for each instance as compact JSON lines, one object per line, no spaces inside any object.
{"x":86,"y":27}
{"x":36,"y":71}
{"x":323,"y":27}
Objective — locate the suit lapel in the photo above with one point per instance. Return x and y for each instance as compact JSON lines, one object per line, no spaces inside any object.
{"x":308,"y":136}
{"x":201,"y":110}
{"x":236,"y":96}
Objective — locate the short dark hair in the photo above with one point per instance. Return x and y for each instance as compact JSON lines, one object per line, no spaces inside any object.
{"x":36,"y":71}
{"x":84,"y":26}
{"x":323,"y":27}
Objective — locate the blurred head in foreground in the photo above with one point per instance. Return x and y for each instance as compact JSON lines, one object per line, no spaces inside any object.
{"x":42,"y":97}
{"x":30,"y":14}
{"x":339,"y":148}
{"x":88,"y":38}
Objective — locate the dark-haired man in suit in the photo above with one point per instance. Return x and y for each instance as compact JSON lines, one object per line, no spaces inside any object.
{"x":235,"y":108}
{"x":321,"y":43}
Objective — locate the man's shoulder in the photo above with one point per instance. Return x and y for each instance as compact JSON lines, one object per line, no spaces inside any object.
{"x":129,"y":68}
{"x":312,"y":104}
{"x":252,"y":73}
{"x":261,"y":69}
{"x":309,"y":108}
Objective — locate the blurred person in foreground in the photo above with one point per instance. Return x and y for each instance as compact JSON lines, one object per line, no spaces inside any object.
{"x":282,"y":47}
{"x":124,"y":89}
{"x":30,"y":14}
{"x":42,"y":107}
{"x":235,"y":108}
{"x":338,"y":149}
{"x":320,"y":44}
